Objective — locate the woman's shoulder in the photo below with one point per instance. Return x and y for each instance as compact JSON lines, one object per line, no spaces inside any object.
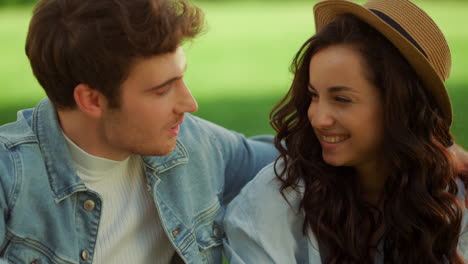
{"x":261,"y":203}
{"x":264,"y":192}
{"x":463,"y":239}
{"x":462,"y":197}
{"x":262,"y":226}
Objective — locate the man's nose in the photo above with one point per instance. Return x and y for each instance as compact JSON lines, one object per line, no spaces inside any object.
{"x":187,"y":103}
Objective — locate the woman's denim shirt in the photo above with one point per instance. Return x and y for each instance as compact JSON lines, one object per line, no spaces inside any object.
{"x":261,"y":227}
{"x":45,"y":209}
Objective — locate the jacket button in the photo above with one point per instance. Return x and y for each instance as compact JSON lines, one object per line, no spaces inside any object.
{"x":85,"y":254}
{"x":89,"y":205}
{"x":175,"y":232}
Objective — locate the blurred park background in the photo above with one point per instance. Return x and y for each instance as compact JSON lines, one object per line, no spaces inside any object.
{"x":239,"y":68}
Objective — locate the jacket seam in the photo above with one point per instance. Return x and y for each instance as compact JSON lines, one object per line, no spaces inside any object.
{"x":207,"y":213}
{"x":36,"y":245}
{"x":11,"y":144}
{"x":179,"y":247}
{"x":16,"y":186}
{"x":186,"y":244}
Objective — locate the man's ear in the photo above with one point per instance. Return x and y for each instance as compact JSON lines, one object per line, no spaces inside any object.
{"x":90,"y":101}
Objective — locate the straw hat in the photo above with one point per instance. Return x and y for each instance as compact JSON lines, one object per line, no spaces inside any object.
{"x":410,"y":30}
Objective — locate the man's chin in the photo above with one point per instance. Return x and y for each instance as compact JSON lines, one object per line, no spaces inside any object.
{"x":157,"y":151}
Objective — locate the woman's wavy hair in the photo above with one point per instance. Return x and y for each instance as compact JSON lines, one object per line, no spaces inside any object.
{"x":421,"y":214}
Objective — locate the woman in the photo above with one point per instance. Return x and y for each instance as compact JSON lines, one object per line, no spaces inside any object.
{"x":364,"y":174}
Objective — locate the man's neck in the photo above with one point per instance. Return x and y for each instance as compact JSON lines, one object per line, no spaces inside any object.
{"x":87,"y":133}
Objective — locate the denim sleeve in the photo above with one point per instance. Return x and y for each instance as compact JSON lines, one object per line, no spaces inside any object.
{"x":243,"y":157}
{"x":4,"y":175}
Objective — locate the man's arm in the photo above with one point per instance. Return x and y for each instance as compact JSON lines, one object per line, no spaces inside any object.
{"x":242,"y":157}
{"x":4,"y":172}
{"x":245,"y":157}
{"x":461,"y":162}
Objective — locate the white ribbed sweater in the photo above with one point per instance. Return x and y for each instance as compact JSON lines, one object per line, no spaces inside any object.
{"x":130,"y":230}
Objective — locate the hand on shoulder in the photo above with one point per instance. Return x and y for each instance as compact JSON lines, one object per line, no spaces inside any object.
{"x":461,"y":158}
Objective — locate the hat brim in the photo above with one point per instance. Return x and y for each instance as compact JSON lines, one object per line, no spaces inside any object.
{"x":327,"y":11}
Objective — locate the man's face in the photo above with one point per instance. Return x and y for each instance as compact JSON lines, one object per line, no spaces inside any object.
{"x":153,"y":101}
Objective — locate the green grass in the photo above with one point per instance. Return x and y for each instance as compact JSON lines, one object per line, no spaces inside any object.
{"x":238,"y":69}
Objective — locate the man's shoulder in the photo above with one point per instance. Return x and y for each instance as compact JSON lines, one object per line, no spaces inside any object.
{"x":193,"y":124}
{"x":13,"y":136}
{"x":196,"y":132}
{"x":18,"y":132}
{"x":199,"y":132}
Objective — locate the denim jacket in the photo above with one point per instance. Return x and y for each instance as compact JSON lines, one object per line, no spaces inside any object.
{"x":47,"y":215}
{"x":262,"y":227}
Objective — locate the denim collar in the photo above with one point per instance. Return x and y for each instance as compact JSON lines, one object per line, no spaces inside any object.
{"x":160,"y":164}
{"x":58,"y":162}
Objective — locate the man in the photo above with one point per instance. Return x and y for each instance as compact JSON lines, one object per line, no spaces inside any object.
{"x":110,"y":168}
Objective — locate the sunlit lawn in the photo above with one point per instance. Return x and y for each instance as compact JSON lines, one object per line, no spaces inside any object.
{"x":239,"y":68}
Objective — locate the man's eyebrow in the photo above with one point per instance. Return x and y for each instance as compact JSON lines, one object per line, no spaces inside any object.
{"x":159,"y":86}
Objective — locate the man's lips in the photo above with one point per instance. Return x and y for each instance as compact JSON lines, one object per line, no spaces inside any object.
{"x":174,"y":130}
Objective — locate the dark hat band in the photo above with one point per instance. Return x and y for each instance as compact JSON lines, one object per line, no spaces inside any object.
{"x":398,"y":28}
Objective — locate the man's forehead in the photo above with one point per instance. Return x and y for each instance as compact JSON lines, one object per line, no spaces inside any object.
{"x":152,"y":72}
{"x":163,"y":63}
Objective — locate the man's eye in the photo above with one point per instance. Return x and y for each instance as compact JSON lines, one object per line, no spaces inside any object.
{"x":163,"y":90}
{"x":342,"y":99}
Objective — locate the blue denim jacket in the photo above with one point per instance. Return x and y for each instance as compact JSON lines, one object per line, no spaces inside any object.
{"x":261,"y":227}
{"x":43,"y":217}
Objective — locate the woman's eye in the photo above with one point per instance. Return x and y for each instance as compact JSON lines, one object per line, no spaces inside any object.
{"x":312,"y":94}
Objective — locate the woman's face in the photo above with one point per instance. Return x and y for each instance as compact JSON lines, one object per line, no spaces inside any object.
{"x":346,"y":108}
